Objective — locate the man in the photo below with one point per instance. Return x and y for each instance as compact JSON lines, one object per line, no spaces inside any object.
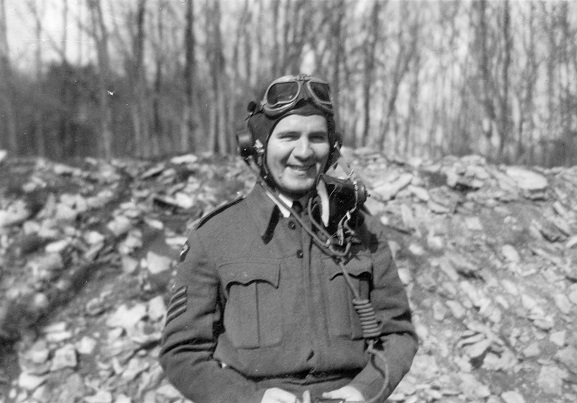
{"x":262,"y":306}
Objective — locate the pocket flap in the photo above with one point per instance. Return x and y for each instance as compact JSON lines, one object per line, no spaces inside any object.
{"x":246,"y":273}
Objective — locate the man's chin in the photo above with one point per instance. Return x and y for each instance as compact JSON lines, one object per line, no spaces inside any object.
{"x":296,"y":193}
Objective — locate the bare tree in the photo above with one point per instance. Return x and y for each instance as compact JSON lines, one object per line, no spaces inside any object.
{"x":337,"y":37}
{"x":189,"y":125}
{"x":407,"y":42}
{"x":566,"y":99}
{"x":37,"y":13}
{"x":413,"y":119}
{"x":158,"y":40}
{"x":66,"y":97}
{"x":373,"y":31}
{"x":276,"y":44}
{"x":99,"y":33}
{"x":504,"y":126}
{"x":139,"y":107}
{"x":218,"y":131}
{"x":497,"y":78}
{"x":6,"y":84}
{"x":524,"y":92}
{"x":482,"y":37}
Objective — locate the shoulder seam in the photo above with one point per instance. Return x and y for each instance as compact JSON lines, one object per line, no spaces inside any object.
{"x":217,"y":211}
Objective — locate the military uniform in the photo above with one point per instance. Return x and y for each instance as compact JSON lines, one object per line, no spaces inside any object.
{"x":257,"y":305}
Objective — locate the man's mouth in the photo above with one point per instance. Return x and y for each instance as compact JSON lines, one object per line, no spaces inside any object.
{"x":300,"y":168}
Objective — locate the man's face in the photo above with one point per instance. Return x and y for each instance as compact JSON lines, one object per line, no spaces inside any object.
{"x":296,"y":153}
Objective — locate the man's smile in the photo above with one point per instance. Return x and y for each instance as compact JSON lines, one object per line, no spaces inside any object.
{"x":302,"y":168}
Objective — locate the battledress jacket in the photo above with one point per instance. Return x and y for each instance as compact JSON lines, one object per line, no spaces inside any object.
{"x":255,"y":305}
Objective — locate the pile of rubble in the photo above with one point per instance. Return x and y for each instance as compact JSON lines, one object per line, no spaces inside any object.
{"x":488,"y":255}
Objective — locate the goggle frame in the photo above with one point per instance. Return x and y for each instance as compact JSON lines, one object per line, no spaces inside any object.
{"x":303,"y":81}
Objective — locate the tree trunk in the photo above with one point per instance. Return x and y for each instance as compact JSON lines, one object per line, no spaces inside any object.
{"x":218,"y":114}
{"x":248,"y":50}
{"x":190,"y":132}
{"x":221,"y":87}
{"x":67,"y":139}
{"x":407,"y":51}
{"x":100,"y":36}
{"x":487,"y":80}
{"x":336,"y":34}
{"x":276,"y":65}
{"x":369,"y":68}
{"x":159,"y":128}
{"x":413,"y":118}
{"x":145,"y":144}
{"x":6,"y":87}
{"x":38,"y":131}
{"x":504,"y":121}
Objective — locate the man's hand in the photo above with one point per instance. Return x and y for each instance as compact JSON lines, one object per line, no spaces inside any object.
{"x":347,"y":393}
{"x":277,"y":395}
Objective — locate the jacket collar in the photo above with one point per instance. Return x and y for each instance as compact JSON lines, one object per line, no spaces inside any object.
{"x":266,"y":211}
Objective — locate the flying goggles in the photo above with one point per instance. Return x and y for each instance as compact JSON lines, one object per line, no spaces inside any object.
{"x":285,"y":92}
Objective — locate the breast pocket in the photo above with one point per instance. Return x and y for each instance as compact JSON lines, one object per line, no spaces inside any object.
{"x":343,"y":320}
{"x":252,"y":313}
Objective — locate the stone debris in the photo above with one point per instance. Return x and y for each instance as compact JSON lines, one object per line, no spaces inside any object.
{"x":388,"y":189}
{"x":568,"y":357}
{"x":64,"y":357}
{"x":510,"y":253}
{"x":156,"y":308}
{"x":488,"y":255}
{"x":157,"y":263}
{"x":527,"y":180}
{"x":551,"y":379}
{"x":86,"y":345}
{"x":101,"y":396}
{"x":30,"y":382}
{"x":512,"y":397}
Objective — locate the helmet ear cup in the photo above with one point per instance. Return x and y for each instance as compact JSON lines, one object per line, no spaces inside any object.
{"x":245,"y":144}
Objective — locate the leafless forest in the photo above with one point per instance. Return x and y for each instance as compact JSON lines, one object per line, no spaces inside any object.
{"x":150,"y":78}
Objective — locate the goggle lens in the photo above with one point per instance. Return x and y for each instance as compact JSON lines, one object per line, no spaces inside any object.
{"x":321,"y":91}
{"x":281,"y":93}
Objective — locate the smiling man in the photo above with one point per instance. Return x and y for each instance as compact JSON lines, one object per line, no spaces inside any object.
{"x":265,"y":305}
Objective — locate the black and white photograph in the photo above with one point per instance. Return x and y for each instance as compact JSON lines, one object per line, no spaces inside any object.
{"x":288,"y":201}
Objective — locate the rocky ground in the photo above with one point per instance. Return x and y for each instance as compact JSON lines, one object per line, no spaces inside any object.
{"x":488,"y":255}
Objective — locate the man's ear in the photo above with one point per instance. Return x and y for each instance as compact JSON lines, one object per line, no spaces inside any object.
{"x":338,"y":139}
{"x":335,"y":152}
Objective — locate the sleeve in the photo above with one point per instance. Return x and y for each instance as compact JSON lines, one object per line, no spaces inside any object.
{"x":399,"y":339}
{"x":191,"y":331}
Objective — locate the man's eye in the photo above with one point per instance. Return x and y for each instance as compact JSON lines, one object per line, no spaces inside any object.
{"x":288,"y":136}
{"x":319,"y":137}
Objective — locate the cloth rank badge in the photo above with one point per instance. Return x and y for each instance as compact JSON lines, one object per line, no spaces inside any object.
{"x":177,"y":305}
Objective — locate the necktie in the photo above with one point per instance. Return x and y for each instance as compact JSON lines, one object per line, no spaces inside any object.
{"x":297,"y":207}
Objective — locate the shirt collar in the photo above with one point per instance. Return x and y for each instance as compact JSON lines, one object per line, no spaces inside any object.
{"x":265,"y":209}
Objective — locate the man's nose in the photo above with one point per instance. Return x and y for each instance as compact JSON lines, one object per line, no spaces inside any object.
{"x":303,"y":149}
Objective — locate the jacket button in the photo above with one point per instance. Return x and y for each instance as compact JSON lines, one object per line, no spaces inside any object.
{"x":300,"y":254}
{"x":292,"y":225}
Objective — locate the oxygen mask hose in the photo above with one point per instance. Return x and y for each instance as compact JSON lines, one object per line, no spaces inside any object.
{"x":371,"y":330}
